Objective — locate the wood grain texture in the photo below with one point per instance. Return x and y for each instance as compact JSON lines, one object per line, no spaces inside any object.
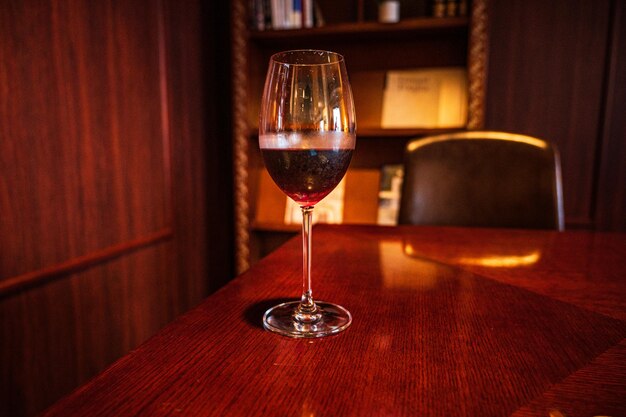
{"x":57,"y":336}
{"x":42,"y":276}
{"x":347,"y":27}
{"x":429,"y":336}
{"x":198,"y":92}
{"x":111,"y":141}
{"x":83,"y":158}
{"x":546,"y":74}
{"x":604,"y":377}
{"x":589,"y":266}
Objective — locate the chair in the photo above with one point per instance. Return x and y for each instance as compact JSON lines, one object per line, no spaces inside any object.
{"x":482,"y":179}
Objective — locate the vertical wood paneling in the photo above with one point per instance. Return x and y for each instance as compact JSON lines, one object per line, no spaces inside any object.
{"x":611,"y":198}
{"x":197,"y":58}
{"x":82,"y":160}
{"x":110,"y":146}
{"x":546,"y":68}
{"x":58,"y":336}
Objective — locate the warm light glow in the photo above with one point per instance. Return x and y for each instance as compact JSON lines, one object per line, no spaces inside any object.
{"x":502,"y":261}
{"x":479,"y":135}
{"x":392,"y":254}
{"x":307,"y":410}
{"x":408,"y":250}
{"x":491,"y":260}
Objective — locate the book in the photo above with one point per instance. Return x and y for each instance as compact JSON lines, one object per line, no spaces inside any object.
{"x":425,"y":98}
{"x":278,"y":11}
{"x":283,"y":14}
{"x":389,"y":194}
{"x":296,"y":14}
{"x":257,"y":14}
{"x":307,"y":13}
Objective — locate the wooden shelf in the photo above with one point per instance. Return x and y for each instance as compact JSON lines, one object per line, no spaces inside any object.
{"x":364,"y":30}
{"x":274,"y":227}
{"x":374,"y":132}
{"x":379,"y":132}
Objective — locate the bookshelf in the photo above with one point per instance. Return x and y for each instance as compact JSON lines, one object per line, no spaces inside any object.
{"x":370,"y":49}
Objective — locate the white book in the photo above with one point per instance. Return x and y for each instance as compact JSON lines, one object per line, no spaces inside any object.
{"x":307,"y":13}
{"x":425,"y":98}
{"x":278,"y":10}
{"x":389,"y":194}
{"x":287,"y":14}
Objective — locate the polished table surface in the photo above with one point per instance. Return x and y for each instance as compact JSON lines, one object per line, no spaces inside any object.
{"x":446,"y":322}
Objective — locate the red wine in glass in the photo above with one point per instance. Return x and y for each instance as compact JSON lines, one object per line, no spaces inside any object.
{"x":307,"y":133}
{"x":307,"y":175}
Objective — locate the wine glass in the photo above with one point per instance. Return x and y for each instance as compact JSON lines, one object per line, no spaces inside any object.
{"x":307,"y":133}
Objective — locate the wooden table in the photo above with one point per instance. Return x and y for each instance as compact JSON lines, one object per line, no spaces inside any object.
{"x":447,"y":322}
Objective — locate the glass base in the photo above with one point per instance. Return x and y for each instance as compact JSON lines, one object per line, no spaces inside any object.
{"x":281,"y":319}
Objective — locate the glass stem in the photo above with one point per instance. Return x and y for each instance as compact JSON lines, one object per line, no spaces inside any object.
{"x":307,"y":311}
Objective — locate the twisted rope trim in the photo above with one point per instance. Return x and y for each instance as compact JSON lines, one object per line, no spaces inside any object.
{"x":477,"y":64}
{"x":240,"y":136}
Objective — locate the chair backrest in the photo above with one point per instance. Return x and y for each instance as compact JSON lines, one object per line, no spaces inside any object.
{"x":482,"y":179}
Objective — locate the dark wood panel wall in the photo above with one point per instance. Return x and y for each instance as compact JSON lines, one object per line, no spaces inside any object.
{"x":549,"y":62}
{"x":113,"y":155}
{"x":611,"y":199}
{"x":85,"y":148}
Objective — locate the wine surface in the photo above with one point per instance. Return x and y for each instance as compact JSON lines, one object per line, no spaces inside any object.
{"x":307,"y":175}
